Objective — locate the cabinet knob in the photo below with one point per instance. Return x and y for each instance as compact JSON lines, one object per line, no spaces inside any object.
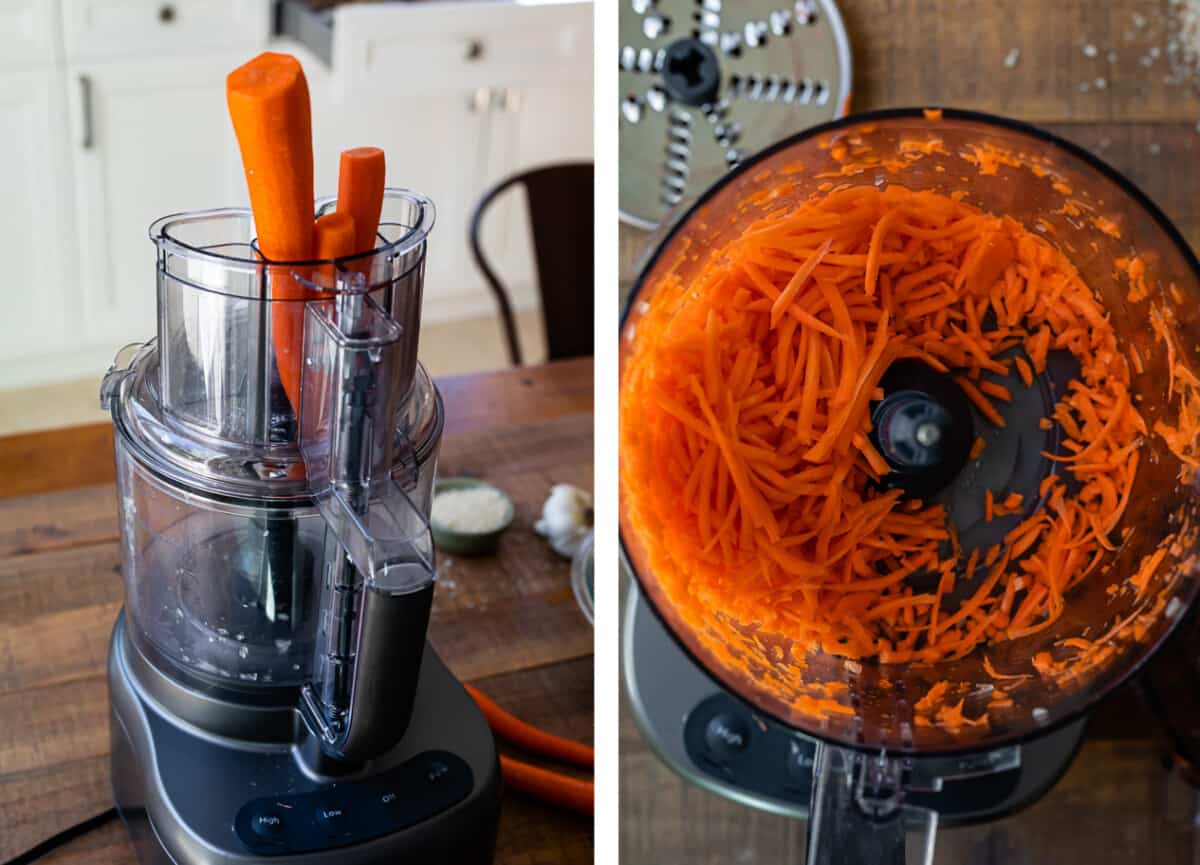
{"x":475,"y":50}
{"x":510,"y":99}
{"x":166,"y":13}
{"x":480,"y":100}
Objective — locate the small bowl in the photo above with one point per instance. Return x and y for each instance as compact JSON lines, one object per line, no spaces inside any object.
{"x":468,"y":543}
{"x":583,"y":577}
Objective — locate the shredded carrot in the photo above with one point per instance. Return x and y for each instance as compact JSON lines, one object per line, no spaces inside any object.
{"x":1025,"y":371}
{"x":981,"y":402}
{"x":996,"y":390}
{"x":749,"y":478}
{"x":977,"y":447}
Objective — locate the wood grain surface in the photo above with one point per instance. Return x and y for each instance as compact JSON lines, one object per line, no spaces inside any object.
{"x":1117,"y":804}
{"x":509,"y":623}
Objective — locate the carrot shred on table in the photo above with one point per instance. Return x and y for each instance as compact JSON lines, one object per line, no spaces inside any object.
{"x":749,"y":477}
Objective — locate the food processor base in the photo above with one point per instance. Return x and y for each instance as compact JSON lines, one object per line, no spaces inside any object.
{"x":188,"y":797}
{"x":729,"y":749}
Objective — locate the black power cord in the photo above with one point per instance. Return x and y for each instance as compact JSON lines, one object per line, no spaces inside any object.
{"x":60,"y":838}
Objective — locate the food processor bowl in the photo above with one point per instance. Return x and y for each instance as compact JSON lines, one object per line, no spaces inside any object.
{"x":1100,"y":222}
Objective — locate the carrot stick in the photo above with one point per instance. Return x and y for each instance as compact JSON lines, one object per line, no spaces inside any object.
{"x":361,"y":177}
{"x":333,"y":236}
{"x":269,"y":106}
{"x":552,"y":788}
{"x":528,"y":737}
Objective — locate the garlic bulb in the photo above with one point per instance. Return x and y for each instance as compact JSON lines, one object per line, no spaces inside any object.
{"x":566,"y":518}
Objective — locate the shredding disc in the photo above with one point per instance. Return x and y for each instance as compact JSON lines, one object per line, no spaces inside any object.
{"x":705,"y":83}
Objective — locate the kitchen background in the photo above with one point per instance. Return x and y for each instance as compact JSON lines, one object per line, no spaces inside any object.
{"x":113,"y":114}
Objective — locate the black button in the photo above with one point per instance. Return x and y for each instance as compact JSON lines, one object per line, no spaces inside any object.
{"x":436,"y":771}
{"x":269,"y":822}
{"x":800,"y":763}
{"x":331,"y":816}
{"x":726,"y":736}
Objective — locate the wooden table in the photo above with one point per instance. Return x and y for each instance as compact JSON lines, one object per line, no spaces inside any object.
{"x":1117,"y":804}
{"x":509,"y":624}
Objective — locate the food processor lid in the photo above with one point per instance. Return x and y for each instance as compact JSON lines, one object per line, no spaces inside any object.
{"x":1149,"y":231}
{"x":187,"y":456}
{"x":703,"y":85}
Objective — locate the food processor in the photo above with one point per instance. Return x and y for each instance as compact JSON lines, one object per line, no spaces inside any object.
{"x":781,"y":725}
{"x":273,"y":695}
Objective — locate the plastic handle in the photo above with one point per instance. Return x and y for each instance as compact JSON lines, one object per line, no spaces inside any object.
{"x":123,"y":362}
{"x":378,"y":561}
{"x":858,"y":815}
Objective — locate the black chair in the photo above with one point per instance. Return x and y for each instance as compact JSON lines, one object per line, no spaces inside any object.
{"x":561,"y":218}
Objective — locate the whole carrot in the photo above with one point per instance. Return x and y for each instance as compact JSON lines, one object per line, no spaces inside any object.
{"x":516,"y":731}
{"x":570,"y":793}
{"x":361,"y":174}
{"x":269,"y":106}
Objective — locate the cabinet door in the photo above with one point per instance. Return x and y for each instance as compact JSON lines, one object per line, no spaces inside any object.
{"x":148,"y":139}
{"x":444,"y":87}
{"x":36,"y":240}
{"x":541,"y":115}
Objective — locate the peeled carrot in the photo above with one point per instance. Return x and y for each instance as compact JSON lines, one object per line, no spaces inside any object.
{"x":570,"y":793}
{"x":333,"y":236}
{"x":361,"y":177}
{"x":269,"y":106}
{"x":528,"y":737}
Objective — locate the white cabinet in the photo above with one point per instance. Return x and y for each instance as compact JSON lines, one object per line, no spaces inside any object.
{"x":37,"y":242}
{"x":29,"y":33}
{"x":463,"y":95}
{"x":148,"y":139}
{"x":140,"y":29}
{"x":113,"y":113}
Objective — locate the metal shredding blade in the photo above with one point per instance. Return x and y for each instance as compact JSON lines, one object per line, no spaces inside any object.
{"x":705,"y":83}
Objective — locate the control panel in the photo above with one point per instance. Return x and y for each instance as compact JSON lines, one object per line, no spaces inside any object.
{"x":734,"y":745}
{"x":351,"y":813}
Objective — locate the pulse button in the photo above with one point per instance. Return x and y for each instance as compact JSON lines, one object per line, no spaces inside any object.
{"x":726,"y":736}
